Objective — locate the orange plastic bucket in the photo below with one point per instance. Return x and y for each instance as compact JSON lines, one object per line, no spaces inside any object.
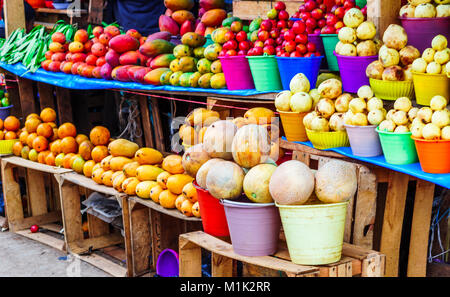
{"x":434,"y":155}
{"x":293,"y":126}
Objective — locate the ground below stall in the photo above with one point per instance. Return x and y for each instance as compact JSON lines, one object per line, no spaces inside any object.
{"x":23,"y":257}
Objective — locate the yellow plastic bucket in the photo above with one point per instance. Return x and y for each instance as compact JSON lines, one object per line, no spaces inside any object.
{"x":427,"y":86}
{"x":314,"y":233}
{"x":326,"y":140}
{"x":6,"y":146}
{"x":293,"y":126}
{"x":391,"y":90}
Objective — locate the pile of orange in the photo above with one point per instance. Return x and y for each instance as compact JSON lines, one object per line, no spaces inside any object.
{"x":9,"y":128}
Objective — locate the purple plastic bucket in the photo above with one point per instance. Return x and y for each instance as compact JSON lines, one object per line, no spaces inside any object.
{"x":5,"y":112}
{"x":168,"y":263}
{"x":364,"y":140}
{"x":237,"y":73}
{"x":353,"y":71}
{"x":254,"y":227}
{"x":421,"y":31}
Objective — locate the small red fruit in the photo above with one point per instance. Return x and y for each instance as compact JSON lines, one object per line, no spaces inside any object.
{"x":34,"y":228}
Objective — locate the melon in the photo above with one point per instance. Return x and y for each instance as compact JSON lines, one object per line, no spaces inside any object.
{"x":219,"y":138}
{"x":292,"y":183}
{"x":200,"y":177}
{"x":256,"y":183}
{"x":336,"y":182}
{"x":251,"y":145}
{"x":225,"y":180}
{"x":193,"y":158}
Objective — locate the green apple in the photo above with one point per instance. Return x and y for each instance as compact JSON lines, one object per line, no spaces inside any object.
{"x":272,"y":14}
{"x":5,"y":102}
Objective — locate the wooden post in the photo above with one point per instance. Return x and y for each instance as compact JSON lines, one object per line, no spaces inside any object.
{"x":14,"y":12}
{"x":145,"y":120}
{"x":159,"y":137}
{"x":420,"y":228}
{"x":141,"y":240}
{"x":64,"y":105}
{"x":71,"y":207}
{"x":383,"y":13}
{"x":26,"y":93}
{"x":46,"y":95}
{"x":190,"y":256}
{"x":11,"y":190}
{"x":394,"y":212}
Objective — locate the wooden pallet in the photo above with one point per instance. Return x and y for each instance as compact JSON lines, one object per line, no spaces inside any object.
{"x":390,"y":217}
{"x":153,"y":229}
{"x":100,"y":234}
{"x":42,"y":197}
{"x":355,"y":261}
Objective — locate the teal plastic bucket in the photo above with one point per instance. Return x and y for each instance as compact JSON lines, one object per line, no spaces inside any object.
{"x":398,"y":148}
{"x":329,"y":44}
{"x":265,"y":73}
{"x":208,"y":40}
{"x":314,"y":233}
{"x":361,"y":3}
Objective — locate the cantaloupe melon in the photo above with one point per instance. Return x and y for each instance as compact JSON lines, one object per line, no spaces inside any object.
{"x":251,"y":146}
{"x":336,"y":182}
{"x":193,"y":158}
{"x":200,"y":177}
{"x":225,"y":180}
{"x":218,"y":139}
{"x":256,"y":183}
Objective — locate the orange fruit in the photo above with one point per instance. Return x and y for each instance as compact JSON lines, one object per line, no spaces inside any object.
{"x":48,"y":115}
{"x":31,"y":124}
{"x":11,"y":123}
{"x":55,"y":134}
{"x":98,"y":153}
{"x":32,"y":115}
{"x":87,"y":168}
{"x":30,"y":139}
{"x":73,"y":159}
{"x":53,"y":125}
{"x":66,"y":160}
{"x":55,"y":147}
{"x":85,"y":148}
{"x":23,"y":137}
{"x":45,"y":130}
{"x":50,"y":159}
{"x":76,"y":47}
{"x":69,"y":145}
{"x":80,"y":138}
{"x":17,"y":148}
{"x":99,"y":135}
{"x":2,"y":135}
{"x":42,"y":156}
{"x":10,"y":135}
{"x":67,"y":129}
{"x":40,"y":143}
{"x":167,"y":199}
{"x":1,"y":124}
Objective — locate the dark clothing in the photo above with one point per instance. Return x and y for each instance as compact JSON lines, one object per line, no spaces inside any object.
{"x":141,"y":15}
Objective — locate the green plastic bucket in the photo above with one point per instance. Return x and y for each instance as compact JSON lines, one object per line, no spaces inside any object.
{"x":314,"y":233}
{"x":265,"y":73}
{"x":329,"y":44}
{"x":398,"y":148}
{"x":361,"y":3}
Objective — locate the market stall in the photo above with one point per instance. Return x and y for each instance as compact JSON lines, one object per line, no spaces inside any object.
{"x":289,"y":114}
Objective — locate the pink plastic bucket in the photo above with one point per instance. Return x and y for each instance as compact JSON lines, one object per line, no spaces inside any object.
{"x":364,"y":140}
{"x":237,"y":73}
{"x":353,"y":71}
{"x":421,"y":31}
{"x":254,"y":227}
{"x":212,"y":212}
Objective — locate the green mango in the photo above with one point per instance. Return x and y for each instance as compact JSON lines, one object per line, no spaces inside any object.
{"x":175,"y":78}
{"x":164,"y":79}
{"x":245,"y":28}
{"x":255,"y":24}
{"x":216,"y":66}
{"x":227,"y":22}
{"x":193,"y":79}
{"x":198,"y":52}
{"x":204,"y":66}
{"x":187,"y":64}
{"x":193,"y":39}
{"x":212,"y":51}
{"x":182,"y":50}
{"x":174,"y":65}
{"x":184,"y":79}
{"x":217,"y":81}
{"x":218,"y":35}
{"x":204,"y":81}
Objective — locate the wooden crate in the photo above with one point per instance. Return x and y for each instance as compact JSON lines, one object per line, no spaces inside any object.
{"x":42,"y":203}
{"x":100,"y":234}
{"x":355,"y":261}
{"x":154,"y":228}
{"x":390,"y":217}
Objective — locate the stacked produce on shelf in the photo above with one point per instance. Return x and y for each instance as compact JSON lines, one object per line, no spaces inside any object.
{"x":435,"y":59}
{"x":322,"y":19}
{"x":9,"y":128}
{"x":400,"y":118}
{"x":365,"y":110}
{"x":357,"y":38}
{"x":425,"y":9}
{"x":433,"y":122}
{"x":232,"y":40}
{"x":178,"y":17}
{"x":211,"y":15}
{"x":395,"y":57}
{"x":299,"y":98}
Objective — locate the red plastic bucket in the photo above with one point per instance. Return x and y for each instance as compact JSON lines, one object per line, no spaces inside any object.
{"x":421,"y":31}
{"x":237,"y":73}
{"x":212,"y":212}
{"x":254,"y":227}
{"x":353,"y":71}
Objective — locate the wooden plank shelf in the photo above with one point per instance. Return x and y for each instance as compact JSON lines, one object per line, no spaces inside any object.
{"x":355,"y":261}
{"x":60,"y":11}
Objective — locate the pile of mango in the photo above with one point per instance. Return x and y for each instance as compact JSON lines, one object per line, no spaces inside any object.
{"x":194,"y":65}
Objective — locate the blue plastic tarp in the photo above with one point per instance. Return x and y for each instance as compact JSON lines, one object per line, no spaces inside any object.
{"x":410,"y":169}
{"x":70,"y":81}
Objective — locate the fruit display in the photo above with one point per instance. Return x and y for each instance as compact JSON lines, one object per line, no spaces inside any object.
{"x":401,"y":117}
{"x":394,"y":58}
{"x":357,"y":38}
{"x":232,"y":40}
{"x":433,"y":122}
{"x":9,"y":128}
{"x":178,"y":17}
{"x":434,"y":60}
{"x":322,"y":19}
{"x":425,"y":9}
{"x":4,"y":98}
{"x":300,"y":97}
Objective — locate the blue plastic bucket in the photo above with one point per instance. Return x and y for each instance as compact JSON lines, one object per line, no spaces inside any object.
{"x":289,"y":67}
{"x":5,"y":112}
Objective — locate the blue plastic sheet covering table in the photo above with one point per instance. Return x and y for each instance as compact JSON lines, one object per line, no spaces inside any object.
{"x":70,"y":81}
{"x":410,"y":169}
